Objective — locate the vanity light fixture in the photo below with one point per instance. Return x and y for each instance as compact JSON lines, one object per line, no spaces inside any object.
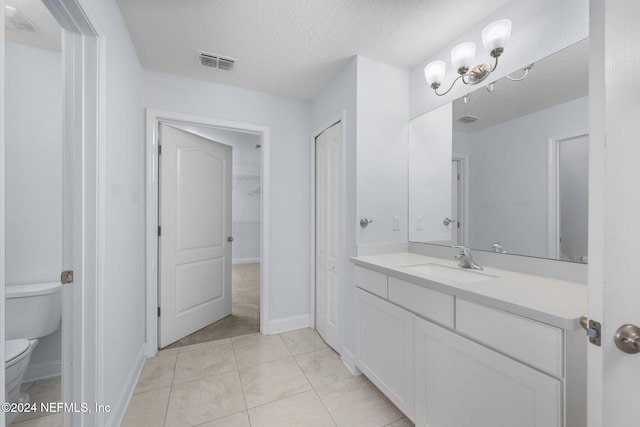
{"x":495,"y":37}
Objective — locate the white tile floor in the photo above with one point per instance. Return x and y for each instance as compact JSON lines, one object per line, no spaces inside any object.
{"x":292,"y":379}
{"x":41,"y":391}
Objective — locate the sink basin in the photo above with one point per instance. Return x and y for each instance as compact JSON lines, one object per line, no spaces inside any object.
{"x":457,"y":274}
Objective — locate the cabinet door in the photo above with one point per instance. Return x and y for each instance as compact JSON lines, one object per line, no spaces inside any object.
{"x":384,"y":348}
{"x":460,"y":383}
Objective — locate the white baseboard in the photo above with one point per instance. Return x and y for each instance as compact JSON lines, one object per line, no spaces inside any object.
{"x":291,"y":323}
{"x":119,"y":407}
{"x":42,"y":371}
{"x":246,"y":261}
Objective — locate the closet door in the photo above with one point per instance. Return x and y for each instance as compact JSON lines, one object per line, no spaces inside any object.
{"x":328,"y":235}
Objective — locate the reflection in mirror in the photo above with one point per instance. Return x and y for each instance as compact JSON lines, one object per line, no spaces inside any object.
{"x":430,"y":175}
{"x":520,"y":150}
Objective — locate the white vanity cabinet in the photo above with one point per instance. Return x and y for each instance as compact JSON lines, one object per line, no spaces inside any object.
{"x":384,"y":348}
{"x":460,"y":383}
{"x":447,"y":360}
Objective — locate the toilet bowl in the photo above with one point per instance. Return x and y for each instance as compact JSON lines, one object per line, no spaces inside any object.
{"x":17,"y":356}
{"x":32,"y":311}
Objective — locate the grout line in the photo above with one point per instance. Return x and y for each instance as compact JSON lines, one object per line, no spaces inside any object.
{"x":244,"y":397}
{"x":325,"y":407}
{"x":173,"y":375}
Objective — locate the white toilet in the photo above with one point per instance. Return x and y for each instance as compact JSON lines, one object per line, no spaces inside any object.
{"x":32,"y":311}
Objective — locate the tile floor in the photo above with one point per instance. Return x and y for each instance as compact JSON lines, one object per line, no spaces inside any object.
{"x":41,"y":391}
{"x":291,"y":379}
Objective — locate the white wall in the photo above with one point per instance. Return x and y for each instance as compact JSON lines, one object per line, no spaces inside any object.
{"x":34,"y":180}
{"x":123,"y":295}
{"x":539,"y":28}
{"x":383,"y":115}
{"x":508,"y":185}
{"x":33,"y":170}
{"x":289,"y":124}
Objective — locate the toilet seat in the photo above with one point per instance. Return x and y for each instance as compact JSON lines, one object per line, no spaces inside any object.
{"x":14,"y":349}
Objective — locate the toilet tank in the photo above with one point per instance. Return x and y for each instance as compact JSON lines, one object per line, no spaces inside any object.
{"x":32,"y":310}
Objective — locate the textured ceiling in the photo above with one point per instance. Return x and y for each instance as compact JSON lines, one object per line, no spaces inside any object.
{"x":293,"y":47}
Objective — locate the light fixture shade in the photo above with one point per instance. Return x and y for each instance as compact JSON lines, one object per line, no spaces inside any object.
{"x":462,"y":55}
{"x":496,"y":35}
{"x":10,"y":11}
{"x":434,"y":72}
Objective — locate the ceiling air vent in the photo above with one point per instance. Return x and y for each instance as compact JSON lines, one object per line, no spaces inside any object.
{"x":214,"y":60}
{"x":467,"y":119}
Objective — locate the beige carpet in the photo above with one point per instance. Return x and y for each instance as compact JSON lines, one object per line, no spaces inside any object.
{"x":245,"y":311}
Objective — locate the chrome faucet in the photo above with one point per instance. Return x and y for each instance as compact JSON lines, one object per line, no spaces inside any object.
{"x":465,"y":260}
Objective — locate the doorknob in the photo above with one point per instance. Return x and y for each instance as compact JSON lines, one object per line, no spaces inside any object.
{"x":448,"y":221}
{"x":627,"y":338}
{"x":229,"y":239}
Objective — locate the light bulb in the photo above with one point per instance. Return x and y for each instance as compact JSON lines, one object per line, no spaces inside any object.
{"x":10,"y":11}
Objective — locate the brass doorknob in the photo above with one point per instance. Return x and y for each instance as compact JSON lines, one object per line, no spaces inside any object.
{"x":627,"y":338}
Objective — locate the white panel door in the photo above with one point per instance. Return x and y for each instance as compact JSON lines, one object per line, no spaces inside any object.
{"x":328,"y":248}
{"x":195,"y":220}
{"x":614,"y":209}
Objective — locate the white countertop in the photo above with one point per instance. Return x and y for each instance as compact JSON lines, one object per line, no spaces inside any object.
{"x":555,"y":302}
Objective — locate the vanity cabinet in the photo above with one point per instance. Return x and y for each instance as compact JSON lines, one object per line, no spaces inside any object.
{"x":447,"y":361}
{"x":384,"y":348}
{"x":460,"y":383}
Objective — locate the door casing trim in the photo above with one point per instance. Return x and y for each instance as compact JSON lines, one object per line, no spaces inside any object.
{"x":154,"y":117}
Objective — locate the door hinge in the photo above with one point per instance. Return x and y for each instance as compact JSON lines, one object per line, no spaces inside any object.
{"x":66,"y":277}
{"x":159,"y":149}
{"x":158,"y":311}
{"x":594,"y":330}
{"x":159,"y":231}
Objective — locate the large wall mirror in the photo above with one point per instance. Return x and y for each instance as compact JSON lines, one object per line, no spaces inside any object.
{"x":505,"y":168}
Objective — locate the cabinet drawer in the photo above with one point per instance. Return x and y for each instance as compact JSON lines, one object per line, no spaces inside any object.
{"x":371,"y":281}
{"x":427,"y":303}
{"x":534,"y":343}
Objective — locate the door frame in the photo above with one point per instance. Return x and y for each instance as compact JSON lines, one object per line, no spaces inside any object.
{"x":463,"y":163}
{"x":343,"y":243}
{"x":2,"y":203}
{"x":153,"y":118}
{"x":553,"y":193}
